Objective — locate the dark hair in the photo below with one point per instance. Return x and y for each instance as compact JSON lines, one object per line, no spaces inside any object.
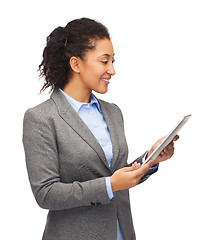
{"x":75,"y":39}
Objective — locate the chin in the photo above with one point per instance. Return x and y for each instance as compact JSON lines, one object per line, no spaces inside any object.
{"x":101,"y":91}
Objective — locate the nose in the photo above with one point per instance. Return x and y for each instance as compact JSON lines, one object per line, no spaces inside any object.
{"x":111,"y":69}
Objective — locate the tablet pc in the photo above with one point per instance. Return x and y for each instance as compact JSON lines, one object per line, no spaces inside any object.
{"x":167,"y":139}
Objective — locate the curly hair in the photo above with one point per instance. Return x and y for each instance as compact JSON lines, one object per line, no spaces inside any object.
{"x":75,"y":39}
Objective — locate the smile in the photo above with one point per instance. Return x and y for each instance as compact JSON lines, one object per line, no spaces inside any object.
{"x":107,"y":81}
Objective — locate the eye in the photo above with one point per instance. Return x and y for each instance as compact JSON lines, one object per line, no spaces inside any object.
{"x":106,"y":62}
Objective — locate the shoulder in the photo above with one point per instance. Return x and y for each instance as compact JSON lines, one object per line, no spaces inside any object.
{"x":43,"y":107}
{"x":42,"y":112}
{"x":40,"y":122}
{"x":54,"y":105}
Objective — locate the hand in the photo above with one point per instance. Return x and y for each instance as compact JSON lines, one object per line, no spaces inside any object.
{"x":167,"y":152}
{"x":128,"y":177}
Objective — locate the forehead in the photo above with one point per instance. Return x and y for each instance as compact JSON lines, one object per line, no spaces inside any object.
{"x":103,"y":48}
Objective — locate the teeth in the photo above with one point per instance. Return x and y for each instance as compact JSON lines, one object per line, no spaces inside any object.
{"x":106,"y":80}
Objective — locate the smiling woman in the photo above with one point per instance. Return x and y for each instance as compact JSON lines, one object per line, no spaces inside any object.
{"x":75,"y":146}
{"x":74,"y":40}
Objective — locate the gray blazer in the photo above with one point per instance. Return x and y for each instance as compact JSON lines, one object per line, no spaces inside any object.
{"x":67,"y":169}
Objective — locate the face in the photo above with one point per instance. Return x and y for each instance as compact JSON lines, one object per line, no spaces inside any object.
{"x":97,"y":68}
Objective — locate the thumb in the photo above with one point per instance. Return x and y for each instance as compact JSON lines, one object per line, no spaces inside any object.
{"x":144,"y":168}
{"x":130,"y":168}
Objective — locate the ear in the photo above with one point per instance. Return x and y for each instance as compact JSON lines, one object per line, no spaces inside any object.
{"x":75,"y":64}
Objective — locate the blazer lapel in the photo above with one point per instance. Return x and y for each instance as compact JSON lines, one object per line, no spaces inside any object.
{"x":110,"y":120}
{"x":74,"y":121}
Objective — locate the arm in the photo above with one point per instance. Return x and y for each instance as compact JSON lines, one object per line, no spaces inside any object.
{"x":41,"y":152}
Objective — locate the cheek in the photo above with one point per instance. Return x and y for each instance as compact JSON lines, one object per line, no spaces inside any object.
{"x":97,"y":73}
{"x":94,"y":72}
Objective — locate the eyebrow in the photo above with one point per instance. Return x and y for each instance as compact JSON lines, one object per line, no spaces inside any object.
{"x":106,"y":55}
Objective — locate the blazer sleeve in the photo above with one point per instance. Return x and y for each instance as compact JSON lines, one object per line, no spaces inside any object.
{"x":41,"y":153}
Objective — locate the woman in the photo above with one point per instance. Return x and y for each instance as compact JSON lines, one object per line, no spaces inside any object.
{"x":75,"y":146}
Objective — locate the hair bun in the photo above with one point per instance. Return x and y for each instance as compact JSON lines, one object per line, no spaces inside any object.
{"x":58,"y":36}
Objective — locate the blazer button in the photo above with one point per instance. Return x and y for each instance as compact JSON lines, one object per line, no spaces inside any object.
{"x":98,"y":203}
{"x":92,"y":203}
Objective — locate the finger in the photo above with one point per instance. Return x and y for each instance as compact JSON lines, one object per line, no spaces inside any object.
{"x":176,"y":138}
{"x":133,"y":167}
{"x":144,"y":168}
{"x":136,"y":165}
{"x":168,"y":150}
{"x":169,"y":153}
{"x":169,"y":147}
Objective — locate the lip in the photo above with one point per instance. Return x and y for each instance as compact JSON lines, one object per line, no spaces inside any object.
{"x":106,"y":80}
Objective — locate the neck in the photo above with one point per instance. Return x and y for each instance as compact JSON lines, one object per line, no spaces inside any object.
{"x":77,"y":92}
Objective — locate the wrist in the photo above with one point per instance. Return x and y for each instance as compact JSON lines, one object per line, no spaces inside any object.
{"x":112,"y":183}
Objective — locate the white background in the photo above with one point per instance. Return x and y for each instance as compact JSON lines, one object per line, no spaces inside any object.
{"x":165,"y":64}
